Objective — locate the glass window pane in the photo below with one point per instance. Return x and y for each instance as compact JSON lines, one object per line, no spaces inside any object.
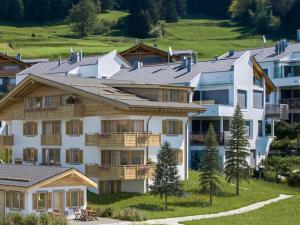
{"x":15,"y":200}
{"x":258,"y":99}
{"x":242,"y":99}
{"x":42,"y":200}
{"x":74,"y":198}
{"x":218,"y":96}
{"x":260,"y":128}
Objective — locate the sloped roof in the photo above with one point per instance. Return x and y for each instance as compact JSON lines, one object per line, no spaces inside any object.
{"x":174,"y":73}
{"x":266,"y":54}
{"x":12,"y":59}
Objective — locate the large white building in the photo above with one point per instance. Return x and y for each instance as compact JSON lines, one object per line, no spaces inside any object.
{"x":109,"y":130}
{"x":220,"y":85}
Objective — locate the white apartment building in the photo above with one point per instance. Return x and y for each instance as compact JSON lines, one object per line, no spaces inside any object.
{"x":220,"y":85}
{"x":110,"y":130}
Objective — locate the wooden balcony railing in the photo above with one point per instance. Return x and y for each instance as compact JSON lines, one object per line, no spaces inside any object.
{"x":47,"y":113}
{"x":128,"y":172}
{"x":51,"y":139}
{"x":6,"y":140}
{"x":123,"y":140}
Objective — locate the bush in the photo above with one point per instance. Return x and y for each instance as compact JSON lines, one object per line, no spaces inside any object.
{"x":105,"y":212}
{"x":14,"y":219}
{"x":281,"y":144}
{"x":31,"y":219}
{"x":130,"y":214}
{"x":103,"y":26}
{"x":294,"y":179}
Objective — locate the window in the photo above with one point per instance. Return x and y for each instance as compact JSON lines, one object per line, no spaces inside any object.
{"x":51,"y":127}
{"x":174,"y":96}
{"x":75,"y":198}
{"x":11,"y":67}
{"x":74,"y":156}
{"x":109,"y":186}
{"x":12,"y":81}
{"x":15,"y":200}
{"x":51,"y":156}
{"x":218,"y":96}
{"x":286,"y":93}
{"x":42,"y":200}
{"x":137,"y":157}
{"x":266,"y":71}
{"x":257,"y":82}
{"x":258,"y":99}
{"x":242,"y":99}
{"x":248,"y":129}
{"x":119,"y":126}
{"x":260,"y":128}
{"x":172,"y":127}
{"x":117,"y":158}
{"x":30,"y":128}
{"x":74,"y":127}
{"x":42,"y":102}
{"x":30,"y":155}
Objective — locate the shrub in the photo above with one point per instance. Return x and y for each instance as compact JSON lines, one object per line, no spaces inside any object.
{"x":45,"y":219}
{"x":103,"y":26}
{"x":105,"y":212}
{"x":281,"y":144}
{"x":31,"y":219}
{"x":294,"y":179}
{"x":130,"y":214}
{"x":14,"y":219}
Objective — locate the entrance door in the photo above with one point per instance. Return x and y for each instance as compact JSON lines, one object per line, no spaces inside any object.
{"x":59,"y":201}
{"x":2,"y":203}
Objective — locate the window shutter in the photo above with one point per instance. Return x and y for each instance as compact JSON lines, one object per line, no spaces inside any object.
{"x":80,"y":127}
{"x":24,"y":128}
{"x":68,"y":127}
{"x":81,"y":198}
{"x":35,"y":155}
{"x":25,"y":154}
{"x":8,"y":199}
{"x":68,"y":194}
{"x":22,"y":200}
{"x":35,"y":128}
{"x":68,"y":156}
{"x":164,"y":126}
{"x":49,"y":200}
{"x":80,"y":156}
{"x":34,"y":201}
{"x":180,"y":156}
{"x":180,"y":127}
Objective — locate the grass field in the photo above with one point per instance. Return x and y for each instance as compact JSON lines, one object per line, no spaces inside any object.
{"x":208,"y":37}
{"x":192,"y":203}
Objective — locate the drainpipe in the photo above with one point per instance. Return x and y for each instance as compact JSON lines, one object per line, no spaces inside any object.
{"x":147,"y":150}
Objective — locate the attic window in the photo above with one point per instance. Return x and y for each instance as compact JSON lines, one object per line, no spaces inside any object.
{"x":14,"y":179}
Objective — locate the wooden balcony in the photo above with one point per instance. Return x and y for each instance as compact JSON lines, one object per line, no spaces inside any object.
{"x":51,"y":140}
{"x":128,"y":172}
{"x":47,"y":113}
{"x":6,"y":140}
{"x":123,"y":140}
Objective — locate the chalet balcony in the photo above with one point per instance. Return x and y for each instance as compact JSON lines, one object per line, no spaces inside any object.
{"x":51,"y":139}
{"x":128,"y":172}
{"x":277,"y":111}
{"x":123,"y":140}
{"x":6,"y":140}
{"x":47,"y":112}
{"x":198,"y":138}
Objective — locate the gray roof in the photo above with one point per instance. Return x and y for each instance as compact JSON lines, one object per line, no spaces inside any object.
{"x":54,"y":68}
{"x":35,"y":61}
{"x":266,"y":54}
{"x":25,"y":175}
{"x":173,"y":74}
{"x":104,"y":88}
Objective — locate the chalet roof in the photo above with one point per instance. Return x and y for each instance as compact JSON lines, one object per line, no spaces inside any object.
{"x":27,"y":175}
{"x":266,"y":54}
{"x":13,"y":59}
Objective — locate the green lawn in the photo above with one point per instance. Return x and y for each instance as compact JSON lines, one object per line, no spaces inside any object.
{"x":286,"y":212}
{"x":192,"y":203}
{"x":209,"y":37}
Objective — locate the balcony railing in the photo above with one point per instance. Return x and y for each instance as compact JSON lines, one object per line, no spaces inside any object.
{"x":47,"y":113}
{"x":123,"y":140}
{"x":199,"y":138}
{"x":294,"y":103}
{"x":51,"y":139}
{"x":205,"y":102}
{"x":128,"y":172}
{"x":277,"y":111}
{"x":6,"y":140}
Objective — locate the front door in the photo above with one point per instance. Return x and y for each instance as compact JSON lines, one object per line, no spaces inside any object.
{"x":59,"y":201}
{"x":2,"y":203}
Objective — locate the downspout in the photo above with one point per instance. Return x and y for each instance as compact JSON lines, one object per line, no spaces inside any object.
{"x":186,"y":141}
{"x":147,"y":150}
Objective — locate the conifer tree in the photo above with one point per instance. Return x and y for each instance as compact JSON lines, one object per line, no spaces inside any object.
{"x":169,"y":11}
{"x":208,"y":178}
{"x":237,"y":150}
{"x":167,"y":181}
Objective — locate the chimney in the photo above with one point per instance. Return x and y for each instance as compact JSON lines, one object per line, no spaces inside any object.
{"x":59,"y":61}
{"x":298,"y":35}
{"x":138,"y":65}
{"x":231,"y":52}
{"x":19,"y":57}
{"x":195,"y":57}
{"x":184,"y":62}
{"x":189,"y":64}
{"x":216,"y":58}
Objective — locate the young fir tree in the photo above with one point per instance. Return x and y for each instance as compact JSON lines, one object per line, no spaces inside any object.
{"x":237,"y":150}
{"x":167,"y":182}
{"x":209,"y":181}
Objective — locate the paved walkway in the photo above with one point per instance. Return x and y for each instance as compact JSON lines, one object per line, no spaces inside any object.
{"x":176,"y":220}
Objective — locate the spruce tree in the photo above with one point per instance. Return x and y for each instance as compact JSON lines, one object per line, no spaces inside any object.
{"x":237,"y":150}
{"x":108,"y":4}
{"x":167,"y":181}
{"x":208,"y":178}
{"x":15,"y":9}
{"x":168,"y":11}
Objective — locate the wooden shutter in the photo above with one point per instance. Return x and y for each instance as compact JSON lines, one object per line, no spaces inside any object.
{"x":180,"y":127}
{"x":68,"y":195}
{"x":22,"y":200}
{"x":8,"y":199}
{"x":35,"y":128}
{"x":164,"y":126}
{"x":81,"y":199}
{"x":68,"y":156}
{"x":49,"y":200}
{"x":80,"y":127}
{"x":25,"y":154}
{"x":80,"y":152}
{"x":24,"y":128}
{"x":35,"y":155}
{"x":180,"y":157}
{"x":34,"y":201}
{"x":68,"y":127}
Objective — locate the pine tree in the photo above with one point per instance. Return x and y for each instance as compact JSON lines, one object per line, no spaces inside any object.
{"x":82,"y":17}
{"x":15,"y":9}
{"x":168,"y":11}
{"x":108,"y":4}
{"x":167,"y":182}
{"x":208,"y":178}
{"x":237,"y":150}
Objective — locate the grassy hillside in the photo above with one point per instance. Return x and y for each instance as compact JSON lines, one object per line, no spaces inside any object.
{"x":209,"y":37}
